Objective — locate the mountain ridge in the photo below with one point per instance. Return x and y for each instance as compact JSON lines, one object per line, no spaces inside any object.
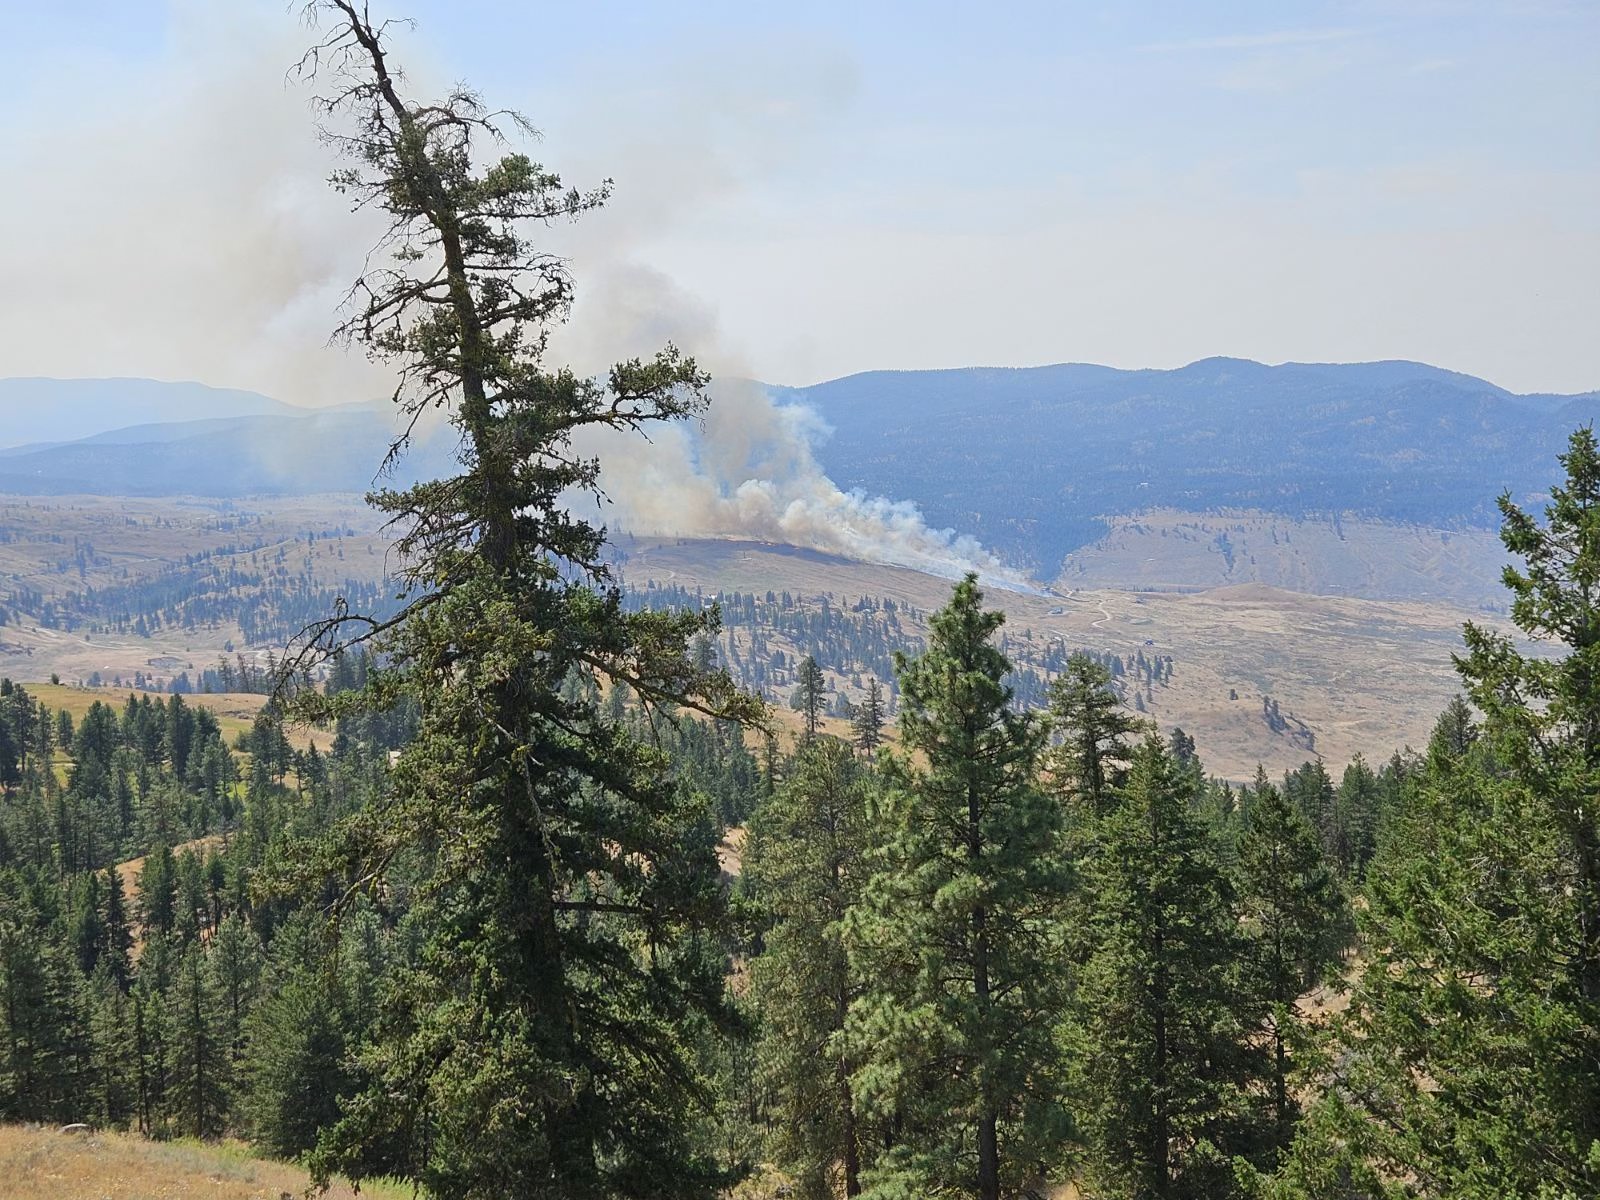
{"x":1033,"y":461}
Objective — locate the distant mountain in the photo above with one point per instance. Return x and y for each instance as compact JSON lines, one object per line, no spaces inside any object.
{"x":330,"y":451}
{"x":64,"y":410}
{"x":1029,"y":460}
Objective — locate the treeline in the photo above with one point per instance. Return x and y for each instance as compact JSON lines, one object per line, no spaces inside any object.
{"x":1028,"y":949}
{"x":152,"y":976}
{"x":166,"y":963}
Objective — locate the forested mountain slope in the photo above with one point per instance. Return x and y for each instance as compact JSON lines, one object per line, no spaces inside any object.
{"x":1028,"y":459}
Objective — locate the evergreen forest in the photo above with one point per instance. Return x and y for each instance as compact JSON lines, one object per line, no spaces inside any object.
{"x":521,"y":884}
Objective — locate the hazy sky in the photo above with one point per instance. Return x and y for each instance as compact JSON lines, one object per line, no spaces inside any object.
{"x":809,"y":190}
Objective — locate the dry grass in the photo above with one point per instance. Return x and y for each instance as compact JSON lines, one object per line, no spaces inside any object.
{"x":1366,"y":675}
{"x":42,"y":1164}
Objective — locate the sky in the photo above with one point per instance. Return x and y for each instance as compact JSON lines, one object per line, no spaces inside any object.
{"x":806,"y":191}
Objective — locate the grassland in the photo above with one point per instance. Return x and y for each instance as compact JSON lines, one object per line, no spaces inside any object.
{"x":1365,"y":676}
{"x":43,"y":1164}
{"x":1366,"y":671}
{"x":60,"y":545}
{"x":1167,"y":550}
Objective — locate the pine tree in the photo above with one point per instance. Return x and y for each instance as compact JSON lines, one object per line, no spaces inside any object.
{"x":1160,"y":1028}
{"x":958,"y":939}
{"x":566,"y":890}
{"x":43,"y":1037}
{"x":1091,"y":759}
{"x":233,"y":957}
{"x":117,"y":951}
{"x":1296,"y":924}
{"x":807,"y":844}
{"x":808,"y":695}
{"x":199,"y":1062}
{"x":158,"y":890}
{"x":1469,"y":1065}
{"x":294,"y":1065}
{"x":1355,"y":817}
{"x":114,"y":1070}
{"x":869,"y":719}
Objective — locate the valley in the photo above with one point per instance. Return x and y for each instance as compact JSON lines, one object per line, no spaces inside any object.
{"x":1364,"y":676}
{"x":99,"y":589}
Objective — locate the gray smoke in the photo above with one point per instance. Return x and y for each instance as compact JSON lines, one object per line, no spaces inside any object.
{"x":204,"y":243}
{"x":748,"y":472}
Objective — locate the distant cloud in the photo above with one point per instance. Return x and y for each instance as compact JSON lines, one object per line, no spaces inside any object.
{"x":1254,"y":41}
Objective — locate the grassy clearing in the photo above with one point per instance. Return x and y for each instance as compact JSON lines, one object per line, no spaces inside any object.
{"x":41,"y":1164}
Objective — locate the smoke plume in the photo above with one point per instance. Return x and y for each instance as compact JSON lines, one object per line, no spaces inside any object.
{"x":748,"y":472}
{"x":221,"y":255}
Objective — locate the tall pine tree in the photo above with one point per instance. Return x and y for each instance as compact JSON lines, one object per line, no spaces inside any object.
{"x":567,"y":888}
{"x":958,"y":939}
{"x":1160,"y":1027}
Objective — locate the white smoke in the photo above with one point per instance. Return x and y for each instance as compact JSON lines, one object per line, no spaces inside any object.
{"x":748,"y":472}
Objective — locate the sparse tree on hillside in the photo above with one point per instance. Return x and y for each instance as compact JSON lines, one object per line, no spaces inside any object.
{"x":808,"y":696}
{"x":869,"y":720}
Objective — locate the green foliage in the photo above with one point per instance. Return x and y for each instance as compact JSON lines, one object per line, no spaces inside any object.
{"x":1160,"y":1030}
{"x":543,"y":1040}
{"x":805,"y":863}
{"x":867,"y":725}
{"x":1469,"y":1065}
{"x":1296,"y":924}
{"x":1094,"y":731}
{"x":200,"y":1064}
{"x":296,"y":1068}
{"x":958,"y":939}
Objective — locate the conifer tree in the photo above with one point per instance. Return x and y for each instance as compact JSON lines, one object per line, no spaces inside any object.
{"x":158,"y":890}
{"x":808,"y":695}
{"x":1091,"y":759}
{"x":1296,"y":923}
{"x":43,"y":1038}
{"x":199,"y":1062}
{"x":958,"y":939}
{"x":566,"y":888}
{"x":869,"y":719}
{"x":114,"y":1072}
{"x":295,"y":1066}
{"x":233,"y":957}
{"x":1469,"y":1065}
{"x":1355,"y":817}
{"x":117,"y":951}
{"x":1160,"y":1028}
{"x":806,"y":866}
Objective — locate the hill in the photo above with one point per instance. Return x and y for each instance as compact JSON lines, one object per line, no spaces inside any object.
{"x":1348,"y":675}
{"x":64,"y":410}
{"x":296,"y":454}
{"x":1031,"y":461}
